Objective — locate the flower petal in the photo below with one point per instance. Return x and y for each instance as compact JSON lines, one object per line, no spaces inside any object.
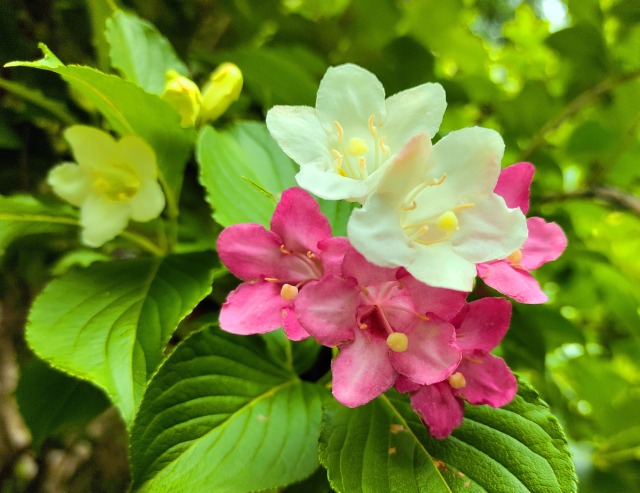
{"x":329,"y":185}
{"x":253,"y":308}
{"x":514,"y":185}
{"x":71,"y":182}
{"x":292,"y":326}
{"x":440,"y":410}
{"x":327,"y":310}
{"x":431,"y":355}
{"x":404,"y":385}
{"x":488,"y":380}
{"x":362,"y":371}
{"x":416,"y":110}
{"x":299,"y":222}
{"x":91,"y":147}
{"x":444,"y":303}
{"x":545,"y":243}
{"x":102,"y":220}
{"x":349,"y":94}
{"x":489,"y":230}
{"x":148,"y":203}
{"x":440,"y":266}
{"x":332,"y":251}
{"x":298,"y":131}
{"x":366,"y":273}
{"x":139,"y":155}
{"x":515,"y":283}
{"x":482,"y":324}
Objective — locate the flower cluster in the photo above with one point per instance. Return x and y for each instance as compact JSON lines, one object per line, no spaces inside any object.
{"x":392,"y":296}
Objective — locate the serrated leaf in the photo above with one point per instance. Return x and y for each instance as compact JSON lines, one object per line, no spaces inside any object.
{"x":384,"y":446}
{"x":36,"y":97}
{"x":223,"y":415}
{"x":109,"y":323}
{"x":230,"y":157}
{"x":130,"y":110}
{"x":99,"y":11}
{"x":50,"y":400}
{"x":140,"y":52}
{"x":22,"y":215}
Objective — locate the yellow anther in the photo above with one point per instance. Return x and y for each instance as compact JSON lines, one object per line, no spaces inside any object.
{"x":372,"y":128}
{"x":288,"y":292}
{"x":435,"y":183}
{"x":364,"y":326}
{"x":448,"y":221}
{"x":398,"y":342}
{"x":271,"y":279}
{"x":357,"y":146}
{"x":339,"y":129}
{"x":285,"y":251}
{"x":457,"y":381}
{"x":410,"y":206}
{"x":383,"y":147}
{"x":311,"y":255}
{"x":515,"y":257}
{"x":461,"y":207}
{"x":422,"y":317}
{"x":362,"y":163}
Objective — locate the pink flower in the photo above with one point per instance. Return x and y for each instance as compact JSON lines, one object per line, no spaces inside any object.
{"x":545,"y":242}
{"x":385,"y":323}
{"x":276,"y":264}
{"x":480,"y":378}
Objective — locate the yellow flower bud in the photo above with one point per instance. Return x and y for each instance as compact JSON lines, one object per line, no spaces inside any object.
{"x":183,"y":94}
{"x":223,"y":88}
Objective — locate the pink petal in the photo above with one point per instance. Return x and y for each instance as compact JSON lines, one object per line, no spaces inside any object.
{"x":440,"y":410}
{"x":253,"y":308}
{"x":482,"y":324}
{"x":444,"y":303}
{"x":299,"y":222}
{"x":250,"y":252}
{"x":545,"y":243}
{"x":367,"y":274}
{"x":488,"y":379}
{"x":405,"y":385}
{"x":362,"y":371}
{"x":327,"y":310}
{"x":332,"y":251}
{"x":514,"y":183}
{"x":292,"y":326}
{"x":431,"y":355}
{"x":515,"y":283}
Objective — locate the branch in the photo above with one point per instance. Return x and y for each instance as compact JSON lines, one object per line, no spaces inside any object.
{"x":607,"y":194}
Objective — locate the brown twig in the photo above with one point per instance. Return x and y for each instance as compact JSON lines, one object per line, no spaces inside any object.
{"x":607,"y":194}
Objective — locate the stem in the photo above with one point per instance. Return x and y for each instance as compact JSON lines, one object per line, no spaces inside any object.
{"x":608,"y":194}
{"x":144,"y":243}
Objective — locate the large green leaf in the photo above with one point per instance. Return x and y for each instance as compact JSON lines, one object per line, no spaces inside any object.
{"x":230,"y":160}
{"x":384,"y":446}
{"x":109,"y":323}
{"x":140,"y":52}
{"x":223,"y":415}
{"x":23,"y":215}
{"x":130,"y":110}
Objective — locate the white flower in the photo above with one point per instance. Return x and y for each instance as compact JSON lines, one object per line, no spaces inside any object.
{"x":112,"y":182}
{"x":435,"y":212}
{"x":344,"y":144}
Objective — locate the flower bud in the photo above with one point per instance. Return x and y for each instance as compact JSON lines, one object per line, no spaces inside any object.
{"x":183,"y":94}
{"x":223,"y":88}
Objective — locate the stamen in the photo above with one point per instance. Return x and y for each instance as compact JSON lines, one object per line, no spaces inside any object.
{"x":271,"y":279}
{"x":457,"y":381}
{"x":419,"y":232}
{"x":448,"y":222}
{"x":362,"y":163}
{"x":357,"y":146}
{"x":364,"y":326}
{"x":409,"y":207}
{"x":311,"y":255}
{"x":372,"y":129}
{"x":288,"y":292}
{"x":339,"y":129}
{"x":285,"y":251}
{"x":383,"y":147}
{"x":398,"y":342}
{"x":461,"y":207}
{"x":435,"y":183}
{"x":422,"y":317}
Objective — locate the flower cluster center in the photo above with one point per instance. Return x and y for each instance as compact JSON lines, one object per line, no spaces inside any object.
{"x":117,"y":183}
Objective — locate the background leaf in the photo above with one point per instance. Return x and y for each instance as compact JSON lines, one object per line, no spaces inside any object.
{"x":384,"y":446}
{"x":109,"y":323}
{"x":222,"y":415}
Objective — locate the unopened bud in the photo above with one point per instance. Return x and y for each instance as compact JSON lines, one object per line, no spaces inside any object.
{"x":223,"y":88}
{"x":183,"y":94}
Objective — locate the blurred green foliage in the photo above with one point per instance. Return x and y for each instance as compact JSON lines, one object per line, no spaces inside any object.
{"x":559,"y":80}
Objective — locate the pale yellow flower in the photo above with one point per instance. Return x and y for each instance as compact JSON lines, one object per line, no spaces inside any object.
{"x":222,"y":89}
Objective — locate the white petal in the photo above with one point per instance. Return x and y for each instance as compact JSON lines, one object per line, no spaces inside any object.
{"x":470,"y":158}
{"x":102,"y":220}
{"x":298,"y":132}
{"x":330,"y":185}
{"x":349,"y":94}
{"x":489,"y":230}
{"x":148,"y":203}
{"x":134,"y":151}
{"x":71,"y":182}
{"x":91,"y":147}
{"x":416,"y":110}
{"x":438,"y":265}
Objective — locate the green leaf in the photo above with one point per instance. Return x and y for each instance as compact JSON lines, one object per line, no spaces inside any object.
{"x":383,"y":446}
{"x":130,"y":110}
{"x":50,"y":400}
{"x":223,"y":415}
{"x":140,"y":52}
{"x":99,"y":11}
{"x":231,"y":157}
{"x":22,"y":215}
{"x":36,"y":97}
{"x":109,"y":323}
